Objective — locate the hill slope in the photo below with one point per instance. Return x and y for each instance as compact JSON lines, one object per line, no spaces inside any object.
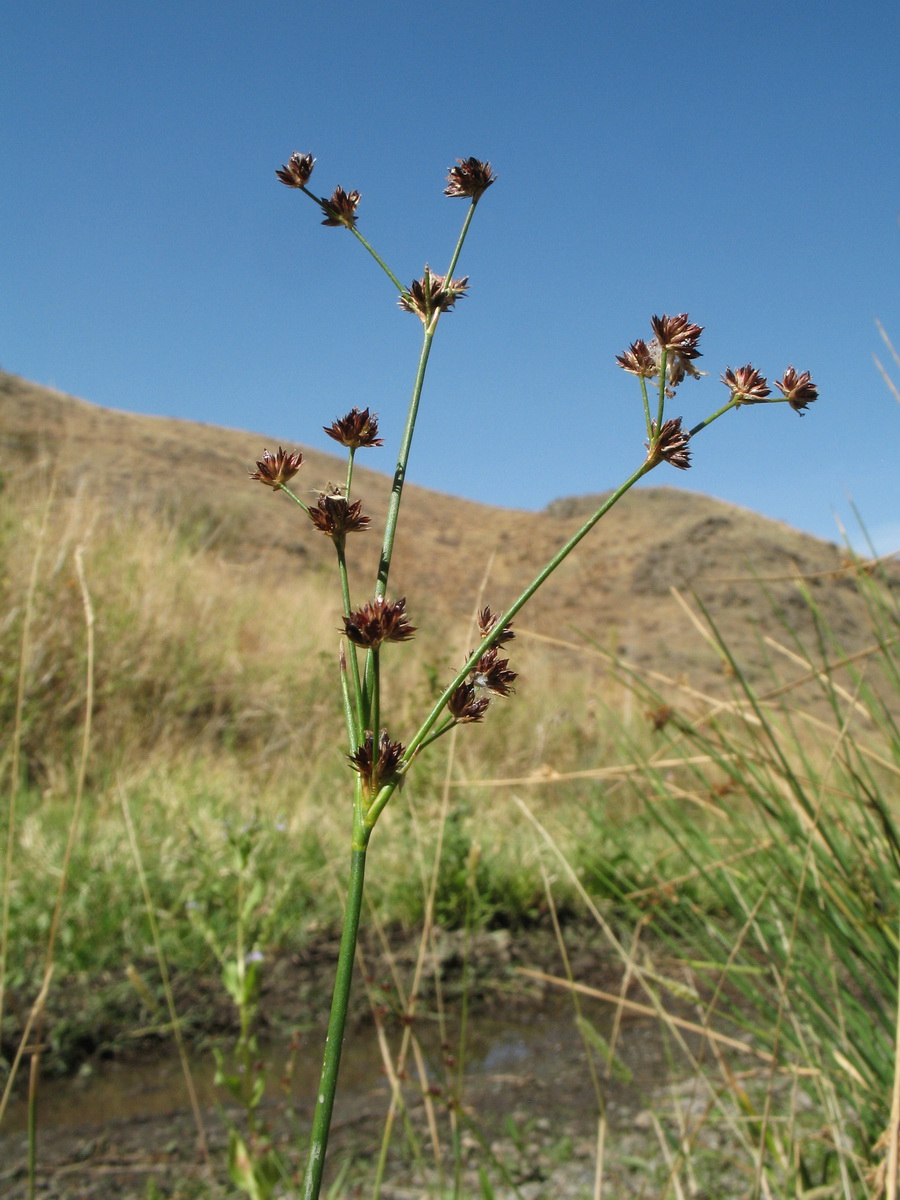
{"x":615,"y":587}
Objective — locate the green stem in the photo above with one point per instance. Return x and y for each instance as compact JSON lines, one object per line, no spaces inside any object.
{"x":375,"y":700}
{"x":462,"y":237}
{"x":662,"y":388}
{"x":312,"y":1180}
{"x":387,"y":270}
{"x":646,"y":406}
{"x":393,"y":513}
{"x":732,"y":403}
{"x":354,"y":660}
{"x":296,"y":499}
{"x":351,"y":710}
{"x":359,"y":237}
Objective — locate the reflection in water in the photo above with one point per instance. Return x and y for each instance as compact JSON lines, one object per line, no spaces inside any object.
{"x":539,"y":1051}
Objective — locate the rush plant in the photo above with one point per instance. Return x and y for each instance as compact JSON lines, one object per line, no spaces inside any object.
{"x":380,"y":763}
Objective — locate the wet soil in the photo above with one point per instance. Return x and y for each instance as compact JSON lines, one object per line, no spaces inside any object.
{"x":526,"y":1088}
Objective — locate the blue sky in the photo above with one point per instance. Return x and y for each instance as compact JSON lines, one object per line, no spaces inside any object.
{"x":735,"y":161}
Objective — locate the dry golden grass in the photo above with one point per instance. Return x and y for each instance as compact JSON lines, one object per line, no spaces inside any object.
{"x":615,"y":588}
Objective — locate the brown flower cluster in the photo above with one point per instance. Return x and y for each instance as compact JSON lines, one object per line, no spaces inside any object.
{"x":798,"y":390}
{"x":671,"y":446}
{"x":274,"y":470}
{"x":296,"y":172}
{"x":341,"y":208}
{"x":356,"y":429}
{"x":747,"y":385}
{"x":638,"y":360}
{"x":431,"y":294}
{"x":377,"y":768}
{"x":678,"y":337}
{"x":469,"y":178}
{"x":490,"y":674}
{"x":334,"y":516}
{"x":379,"y":621}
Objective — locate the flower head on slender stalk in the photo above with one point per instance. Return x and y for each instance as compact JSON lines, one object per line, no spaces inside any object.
{"x":379,"y":768}
{"x":660,"y":717}
{"x":747,"y":385}
{"x":671,"y":446}
{"x":492,"y":673}
{"x":466,"y":705}
{"x":335,"y":517}
{"x":341,"y":208}
{"x":432,"y":293}
{"x":296,"y":172}
{"x":356,"y":429}
{"x":678,"y":337}
{"x":638,"y":360}
{"x":274,"y":470}
{"x":799,"y":390}
{"x":487,"y":621}
{"x":469,"y":178}
{"x":379,"y":621}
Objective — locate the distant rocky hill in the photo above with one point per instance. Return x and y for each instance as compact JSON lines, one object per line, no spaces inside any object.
{"x":615,"y":589}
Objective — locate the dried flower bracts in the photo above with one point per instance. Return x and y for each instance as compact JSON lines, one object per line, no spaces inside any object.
{"x":469,"y":178}
{"x":798,"y":390}
{"x":487,"y":621}
{"x":341,"y":208}
{"x":671,"y":446}
{"x":466,"y":705}
{"x":296,"y":172}
{"x":274,"y":470}
{"x":379,"y":621}
{"x":356,"y":429}
{"x":431,"y":294}
{"x":747,"y":385}
{"x":334,"y":516}
{"x":638,"y":360}
{"x":377,"y":768}
{"x":678,"y":338}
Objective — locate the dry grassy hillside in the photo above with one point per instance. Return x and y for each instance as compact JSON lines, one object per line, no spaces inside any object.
{"x":616,"y":587}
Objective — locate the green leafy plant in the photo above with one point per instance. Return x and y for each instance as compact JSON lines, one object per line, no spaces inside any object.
{"x":254,"y":1163}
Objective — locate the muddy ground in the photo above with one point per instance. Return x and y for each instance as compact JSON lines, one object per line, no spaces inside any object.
{"x":122,"y":1126}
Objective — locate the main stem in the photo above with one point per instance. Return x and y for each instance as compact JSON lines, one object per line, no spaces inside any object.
{"x":312,"y":1180}
{"x":390,"y":526}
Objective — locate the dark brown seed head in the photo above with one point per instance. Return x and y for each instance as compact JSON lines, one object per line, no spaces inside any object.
{"x":469,"y":178}
{"x":274,"y":470}
{"x":747,"y":385}
{"x":678,"y":337}
{"x":432,"y":294}
{"x":492,"y":673}
{"x":487,"y":621}
{"x":660,"y":717}
{"x":335,"y":517}
{"x":466,"y":705}
{"x":677,"y":334}
{"x":356,"y":429}
{"x":799,"y":390}
{"x":296,"y":172}
{"x":377,"y":768}
{"x":379,"y":621}
{"x":671,"y":446}
{"x":341,"y":208}
{"x":638,"y":360}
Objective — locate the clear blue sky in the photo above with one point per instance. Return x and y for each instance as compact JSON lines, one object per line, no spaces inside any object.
{"x":738,"y":161}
